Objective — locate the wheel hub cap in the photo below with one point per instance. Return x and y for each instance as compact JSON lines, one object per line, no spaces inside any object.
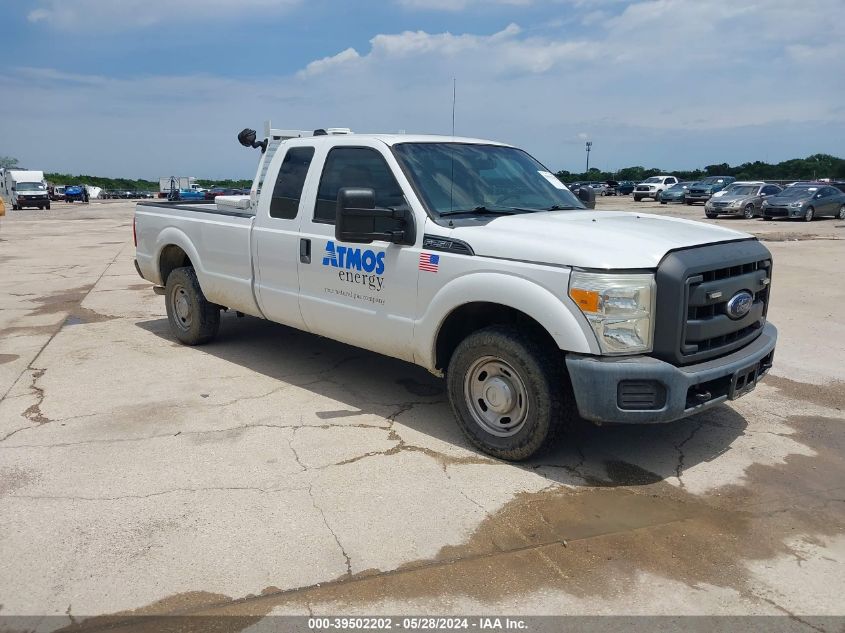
{"x":182,"y":307}
{"x":496,"y":396}
{"x":498,"y":392}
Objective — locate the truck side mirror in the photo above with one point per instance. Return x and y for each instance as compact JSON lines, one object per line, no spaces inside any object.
{"x":359,"y":221}
{"x":587,"y":195}
{"x":247,"y":138}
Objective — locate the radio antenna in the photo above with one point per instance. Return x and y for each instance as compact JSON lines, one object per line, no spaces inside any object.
{"x":454,"y":95}
{"x":451,"y":151}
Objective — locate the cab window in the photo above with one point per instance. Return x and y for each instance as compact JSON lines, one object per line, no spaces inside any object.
{"x":288,"y":190}
{"x":355,"y":167}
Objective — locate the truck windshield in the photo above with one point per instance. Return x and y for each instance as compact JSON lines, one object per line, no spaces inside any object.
{"x":456,"y":178}
{"x":30,"y":186}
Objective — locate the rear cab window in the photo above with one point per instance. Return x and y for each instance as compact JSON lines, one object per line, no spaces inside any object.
{"x":289,"y":183}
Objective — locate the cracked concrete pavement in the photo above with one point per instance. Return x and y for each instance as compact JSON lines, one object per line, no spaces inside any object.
{"x":275,"y":472}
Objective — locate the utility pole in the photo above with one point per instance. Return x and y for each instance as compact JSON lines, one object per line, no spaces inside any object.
{"x":589,"y":145}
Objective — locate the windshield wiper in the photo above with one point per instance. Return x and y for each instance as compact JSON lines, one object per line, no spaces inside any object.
{"x":480,"y":210}
{"x":554,"y":207}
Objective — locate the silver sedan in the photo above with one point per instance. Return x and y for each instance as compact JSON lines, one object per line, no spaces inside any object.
{"x":745,"y":199}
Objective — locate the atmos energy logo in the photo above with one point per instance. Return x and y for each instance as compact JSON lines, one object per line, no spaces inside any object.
{"x":358,"y":266}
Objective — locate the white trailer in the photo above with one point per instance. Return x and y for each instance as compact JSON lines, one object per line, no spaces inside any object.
{"x":168,"y":183}
{"x":24,"y":188}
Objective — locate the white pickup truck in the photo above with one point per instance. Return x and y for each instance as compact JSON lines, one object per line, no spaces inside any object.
{"x":469,"y":258}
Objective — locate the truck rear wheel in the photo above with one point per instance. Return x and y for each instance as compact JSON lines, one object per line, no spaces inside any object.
{"x":193,"y":319}
{"x":506,"y":391}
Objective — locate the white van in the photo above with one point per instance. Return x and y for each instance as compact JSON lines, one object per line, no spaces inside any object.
{"x":23,"y":188}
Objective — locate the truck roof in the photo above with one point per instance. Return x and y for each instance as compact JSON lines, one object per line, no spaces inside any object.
{"x":393,"y":139}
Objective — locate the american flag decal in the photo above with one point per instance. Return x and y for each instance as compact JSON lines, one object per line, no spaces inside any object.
{"x":429,"y":262}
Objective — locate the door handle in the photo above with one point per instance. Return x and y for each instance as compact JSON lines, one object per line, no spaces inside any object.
{"x":305,"y":251}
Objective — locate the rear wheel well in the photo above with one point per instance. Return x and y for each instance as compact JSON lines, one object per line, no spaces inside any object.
{"x":171,"y":258}
{"x":472,"y":317}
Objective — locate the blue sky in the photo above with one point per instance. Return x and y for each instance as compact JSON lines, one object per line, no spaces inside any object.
{"x":142,"y":88}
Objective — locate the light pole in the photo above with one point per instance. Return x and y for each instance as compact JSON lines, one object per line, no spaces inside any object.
{"x":589,"y":145}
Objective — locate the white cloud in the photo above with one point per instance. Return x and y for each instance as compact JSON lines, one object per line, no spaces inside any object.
{"x":458,"y":5}
{"x":350,"y":55}
{"x":503,"y":52}
{"x":129,"y":14}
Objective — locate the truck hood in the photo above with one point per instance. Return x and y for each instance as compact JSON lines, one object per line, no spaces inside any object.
{"x":587,"y":239}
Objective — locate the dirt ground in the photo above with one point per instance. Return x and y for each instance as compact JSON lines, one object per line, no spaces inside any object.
{"x":274,"y":472}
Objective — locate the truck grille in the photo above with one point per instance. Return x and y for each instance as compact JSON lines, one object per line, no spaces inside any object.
{"x":708,"y":325}
{"x":694,"y":287}
{"x":643,"y":188}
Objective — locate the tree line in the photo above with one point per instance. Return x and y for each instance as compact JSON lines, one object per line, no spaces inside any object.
{"x":810,"y":168}
{"x":129,"y":184}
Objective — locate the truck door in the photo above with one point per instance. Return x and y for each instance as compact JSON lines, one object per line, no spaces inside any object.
{"x":362,"y":294}
{"x":276,"y":240}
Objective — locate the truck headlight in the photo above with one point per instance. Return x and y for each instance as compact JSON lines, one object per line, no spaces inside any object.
{"x":619,"y":308}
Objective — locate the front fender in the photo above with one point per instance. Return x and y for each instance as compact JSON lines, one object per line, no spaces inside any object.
{"x":558,"y":315}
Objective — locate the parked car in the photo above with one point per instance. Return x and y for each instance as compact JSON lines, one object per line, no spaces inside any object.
{"x":805,"y":201}
{"x":702,"y":190}
{"x":601,"y":189}
{"x":652,"y":187}
{"x":187,"y":194}
{"x":745,"y":199}
{"x":675,"y":193}
{"x":57,"y":192}
{"x":625,"y":188}
{"x":212,"y":193}
{"x":76,"y":193}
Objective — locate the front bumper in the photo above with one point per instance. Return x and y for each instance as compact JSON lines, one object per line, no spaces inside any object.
{"x":601,"y":383}
{"x":33,"y":202}
{"x":783,"y":212}
{"x":710,"y":208}
{"x":698,"y":197}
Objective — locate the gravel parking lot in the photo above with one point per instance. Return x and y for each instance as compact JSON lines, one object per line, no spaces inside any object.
{"x":275,"y":472}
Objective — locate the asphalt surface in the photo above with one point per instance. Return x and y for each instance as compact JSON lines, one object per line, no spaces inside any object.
{"x":274,"y":472}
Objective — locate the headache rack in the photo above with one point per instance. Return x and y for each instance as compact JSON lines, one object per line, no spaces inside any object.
{"x":273,"y":138}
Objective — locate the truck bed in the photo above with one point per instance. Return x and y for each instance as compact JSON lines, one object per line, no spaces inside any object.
{"x":223,"y":237}
{"x":203,"y":206}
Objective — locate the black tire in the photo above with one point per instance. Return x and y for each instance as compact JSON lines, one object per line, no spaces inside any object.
{"x":637,"y":198}
{"x":712,"y":216}
{"x":663,"y":202}
{"x":809,"y":214}
{"x":47,"y":207}
{"x":689,"y":202}
{"x":748,"y":212}
{"x":768,"y":218}
{"x":193,"y":319}
{"x":546,"y":407}
{"x":14,"y":207}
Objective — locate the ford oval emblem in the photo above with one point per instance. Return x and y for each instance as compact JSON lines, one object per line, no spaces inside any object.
{"x":740,"y":304}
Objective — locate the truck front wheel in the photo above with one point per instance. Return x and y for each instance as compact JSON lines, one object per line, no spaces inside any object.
{"x":506,"y":391}
{"x":193,"y":319}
